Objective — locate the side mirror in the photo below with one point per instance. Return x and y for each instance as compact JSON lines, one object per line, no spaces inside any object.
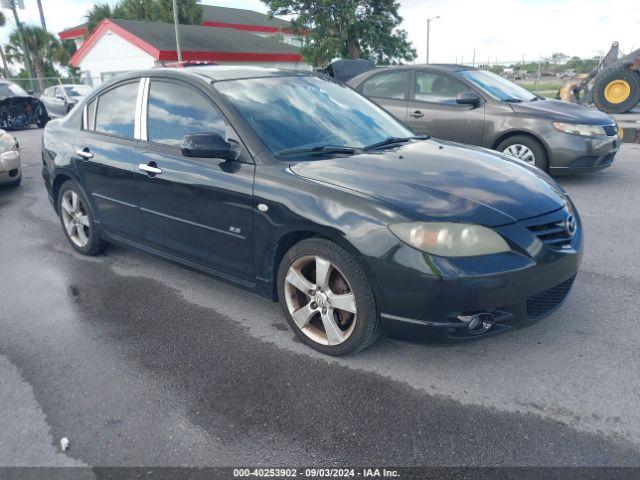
{"x":60,"y":97}
{"x":30,"y":92}
{"x":468,"y":98}
{"x":208,"y":145}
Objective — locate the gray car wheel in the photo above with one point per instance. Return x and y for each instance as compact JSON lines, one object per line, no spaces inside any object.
{"x":77,"y":220}
{"x":527,"y":149}
{"x":327,"y":298}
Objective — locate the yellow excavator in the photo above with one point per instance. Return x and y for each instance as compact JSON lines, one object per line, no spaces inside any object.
{"x":614,"y":85}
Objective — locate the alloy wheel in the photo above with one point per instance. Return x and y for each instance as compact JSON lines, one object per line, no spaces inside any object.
{"x":75,"y":218}
{"x":324,"y":308}
{"x":521,"y":152}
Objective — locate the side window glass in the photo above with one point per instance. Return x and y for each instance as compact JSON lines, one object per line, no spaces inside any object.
{"x":437,"y":88}
{"x":91,"y":116}
{"x":116,"y":110}
{"x":387,"y":85}
{"x":176,"y":110}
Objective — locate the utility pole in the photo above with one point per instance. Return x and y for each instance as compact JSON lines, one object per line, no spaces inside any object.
{"x":175,"y":24}
{"x":23,"y":42}
{"x":428,"y":33}
{"x":44,"y":25}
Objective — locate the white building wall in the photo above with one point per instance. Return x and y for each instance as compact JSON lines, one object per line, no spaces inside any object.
{"x":112,"y":55}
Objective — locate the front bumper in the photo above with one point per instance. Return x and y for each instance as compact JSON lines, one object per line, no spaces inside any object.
{"x":10,"y":169}
{"x":423,"y":295}
{"x":571,"y":154}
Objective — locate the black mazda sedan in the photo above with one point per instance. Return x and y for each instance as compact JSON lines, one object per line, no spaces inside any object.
{"x":303,"y":191}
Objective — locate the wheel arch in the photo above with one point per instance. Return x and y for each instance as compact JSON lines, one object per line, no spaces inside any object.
{"x":268,"y":269}
{"x":59,"y":179}
{"x":519,"y":132}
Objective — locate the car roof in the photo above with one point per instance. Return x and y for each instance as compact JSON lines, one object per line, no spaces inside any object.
{"x":232,"y":72}
{"x":447,"y":67}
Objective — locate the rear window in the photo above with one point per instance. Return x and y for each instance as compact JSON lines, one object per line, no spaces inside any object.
{"x":387,"y":85}
{"x":116,"y":110}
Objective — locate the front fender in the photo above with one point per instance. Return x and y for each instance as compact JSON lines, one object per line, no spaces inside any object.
{"x":300,"y":208}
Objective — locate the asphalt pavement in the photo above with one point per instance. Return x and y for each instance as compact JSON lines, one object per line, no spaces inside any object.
{"x":141,"y":362}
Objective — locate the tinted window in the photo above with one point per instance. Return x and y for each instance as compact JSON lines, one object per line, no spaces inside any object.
{"x":438,"y":88}
{"x":176,"y":110}
{"x":305,"y":111}
{"x":91,"y":116}
{"x":387,"y":85}
{"x":116,"y":110}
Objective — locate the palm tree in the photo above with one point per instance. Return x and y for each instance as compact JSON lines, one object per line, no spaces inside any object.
{"x":189,"y":12}
{"x":42,"y":47}
{"x":3,"y":20}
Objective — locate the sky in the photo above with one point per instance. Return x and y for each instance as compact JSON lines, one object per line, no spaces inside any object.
{"x":498,"y":30}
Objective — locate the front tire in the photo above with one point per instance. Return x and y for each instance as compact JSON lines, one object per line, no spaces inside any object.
{"x":526,"y":149}
{"x":327,"y":298}
{"x":78,"y":221}
{"x":616,"y":90}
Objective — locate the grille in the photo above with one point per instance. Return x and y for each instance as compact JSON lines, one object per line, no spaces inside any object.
{"x":544,"y":302}
{"x":553,"y":234}
{"x":610,"y":130}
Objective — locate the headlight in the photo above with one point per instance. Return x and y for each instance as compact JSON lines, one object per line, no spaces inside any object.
{"x":450,"y":239}
{"x":580,"y":129}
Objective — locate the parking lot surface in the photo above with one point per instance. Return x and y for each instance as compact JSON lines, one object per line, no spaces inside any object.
{"x":141,"y":362}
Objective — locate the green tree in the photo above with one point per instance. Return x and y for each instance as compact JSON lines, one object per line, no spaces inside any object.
{"x":5,"y":67}
{"x":189,"y":12}
{"x":44,"y":49}
{"x":347,"y":29}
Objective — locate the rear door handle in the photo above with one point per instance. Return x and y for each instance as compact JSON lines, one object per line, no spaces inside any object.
{"x":84,"y":153}
{"x":417,"y":114}
{"x":151,"y":168}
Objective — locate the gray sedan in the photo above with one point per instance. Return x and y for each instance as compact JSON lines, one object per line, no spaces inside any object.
{"x":477,"y":107}
{"x":59,"y":99}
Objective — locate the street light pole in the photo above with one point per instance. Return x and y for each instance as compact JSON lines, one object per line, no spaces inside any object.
{"x":428,"y":32}
{"x":175,"y":24}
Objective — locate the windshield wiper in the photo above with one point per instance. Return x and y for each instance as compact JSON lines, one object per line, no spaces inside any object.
{"x":394,"y":140}
{"x":512,"y":100}
{"x":317,"y":150}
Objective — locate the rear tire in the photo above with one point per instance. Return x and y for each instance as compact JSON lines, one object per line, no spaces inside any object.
{"x":77,"y":220}
{"x":538,"y":152}
{"x":616,"y":89}
{"x":344,"y":302}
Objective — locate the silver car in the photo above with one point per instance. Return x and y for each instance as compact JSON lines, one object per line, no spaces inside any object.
{"x":10,"y":170}
{"x":59,"y":99}
{"x":463,"y":104}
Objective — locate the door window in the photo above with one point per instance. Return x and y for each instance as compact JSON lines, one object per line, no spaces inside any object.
{"x":91,"y":115}
{"x":437,"y":88}
{"x":116,"y":110}
{"x":176,"y":110}
{"x":387,"y":85}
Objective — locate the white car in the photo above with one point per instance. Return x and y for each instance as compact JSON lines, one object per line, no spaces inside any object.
{"x":10,"y":171}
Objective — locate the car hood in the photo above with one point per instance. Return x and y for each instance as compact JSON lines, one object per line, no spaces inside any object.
{"x":563,"y":112}
{"x":437,"y":180}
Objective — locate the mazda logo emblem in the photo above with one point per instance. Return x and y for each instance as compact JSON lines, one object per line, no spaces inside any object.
{"x":571,"y":225}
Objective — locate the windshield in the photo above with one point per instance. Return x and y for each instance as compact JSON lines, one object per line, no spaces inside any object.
{"x":11,"y":90}
{"x":304,"y":111}
{"x":498,"y":87}
{"x":77,"y":90}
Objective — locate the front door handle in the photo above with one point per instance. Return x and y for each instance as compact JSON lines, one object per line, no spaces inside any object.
{"x":417,"y":114}
{"x":84,"y":153}
{"x":151,"y":168}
